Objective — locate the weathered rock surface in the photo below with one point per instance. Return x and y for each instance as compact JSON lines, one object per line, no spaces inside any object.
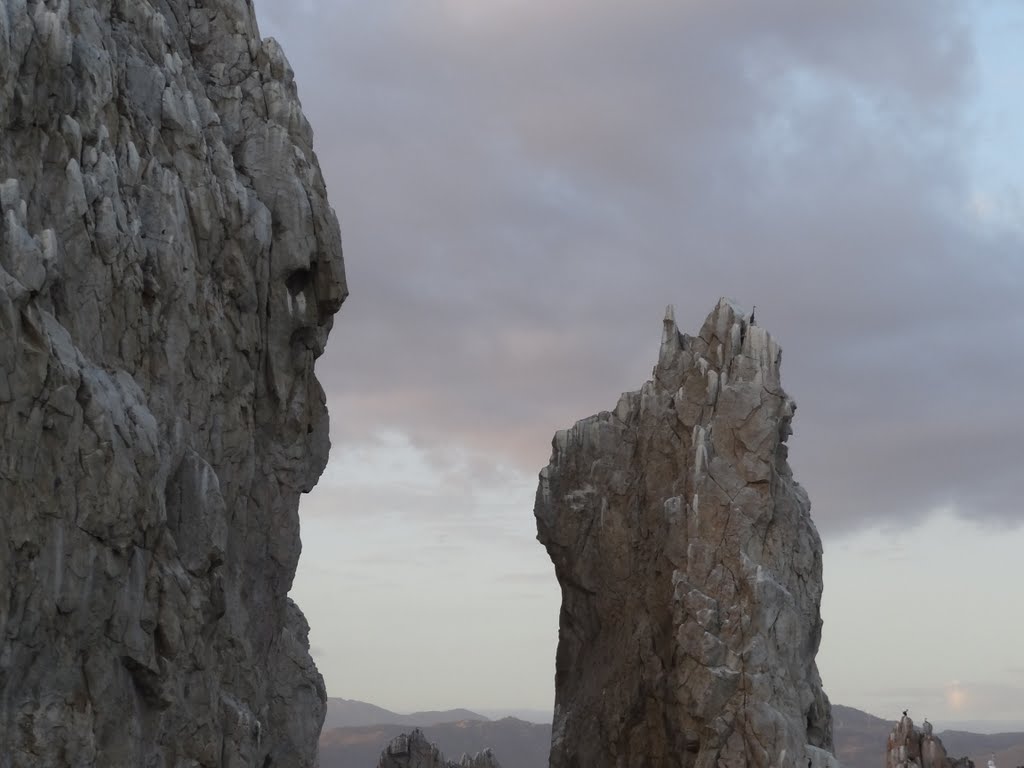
{"x":919,"y":747}
{"x":413,"y":750}
{"x":169,"y":268}
{"x":689,"y":566}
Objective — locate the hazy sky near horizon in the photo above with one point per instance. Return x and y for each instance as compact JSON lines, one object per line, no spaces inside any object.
{"x":524,"y":186}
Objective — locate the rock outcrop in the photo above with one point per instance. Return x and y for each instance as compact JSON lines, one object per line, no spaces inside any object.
{"x":413,"y":750}
{"x":689,"y":566}
{"x":169,"y":268}
{"x":913,"y":747}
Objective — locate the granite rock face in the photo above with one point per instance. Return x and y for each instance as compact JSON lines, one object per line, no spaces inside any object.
{"x":169,"y":268}
{"x":913,"y":747}
{"x":689,"y":566}
{"x":413,"y":750}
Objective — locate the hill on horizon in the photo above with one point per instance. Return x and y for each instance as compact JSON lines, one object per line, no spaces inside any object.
{"x":860,"y":740}
{"x":355,"y":733}
{"x":860,"y":737}
{"x":351,"y":713}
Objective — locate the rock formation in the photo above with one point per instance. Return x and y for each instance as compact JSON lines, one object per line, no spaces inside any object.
{"x":919,"y":747}
{"x":169,"y":268}
{"x":413,"y":750}
{"x":689,"y":566}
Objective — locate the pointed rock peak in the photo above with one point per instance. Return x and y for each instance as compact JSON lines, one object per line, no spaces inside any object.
{"x":732,"y":339}
{"x":670,"y":331}
{"x":726,"y":313}
{"x":672,"y":342}
{"x":690,"y":569}
{"x":733,"y":306}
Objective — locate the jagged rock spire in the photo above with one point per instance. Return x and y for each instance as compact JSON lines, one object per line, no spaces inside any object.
{"x":689,"y":565}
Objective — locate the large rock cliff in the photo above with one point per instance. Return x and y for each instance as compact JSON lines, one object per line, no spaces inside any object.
{"x":169,"y":268}
{"x":689,"y":566}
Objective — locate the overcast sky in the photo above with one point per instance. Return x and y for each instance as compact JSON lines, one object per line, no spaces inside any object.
{"x":524,"y":185}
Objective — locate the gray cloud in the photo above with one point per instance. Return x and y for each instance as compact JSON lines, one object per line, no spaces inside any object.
{"x":524,"y":187}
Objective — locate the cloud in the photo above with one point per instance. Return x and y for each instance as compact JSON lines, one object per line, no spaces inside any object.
{"x":387,"y":505}
{"x":524,"y":186}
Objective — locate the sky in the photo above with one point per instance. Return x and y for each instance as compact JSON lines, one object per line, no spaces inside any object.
{"x":523,"y":186}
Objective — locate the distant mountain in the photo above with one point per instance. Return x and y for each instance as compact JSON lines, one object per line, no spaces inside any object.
{"x":516,"y":743}
{"x":967,"y":743}
{"x":1007,"y":747}
{"x":355,"y":732}
{"x":860,"y":740}
{"x":529,"y":715}
{"x":984,"y":726}
{"x":349,"y":713}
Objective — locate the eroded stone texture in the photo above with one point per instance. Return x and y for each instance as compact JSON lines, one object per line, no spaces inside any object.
{"x":169,"y":267}
{"x":913,"y":747}
{"x":413,"y":750}
{"x":689,"y":566}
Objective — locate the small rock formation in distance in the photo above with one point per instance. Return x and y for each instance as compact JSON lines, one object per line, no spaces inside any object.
{"x":169,"y":269}
{"x":689,"y":566}
{"x":913,"y":747}
{"x":413,"y":750}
